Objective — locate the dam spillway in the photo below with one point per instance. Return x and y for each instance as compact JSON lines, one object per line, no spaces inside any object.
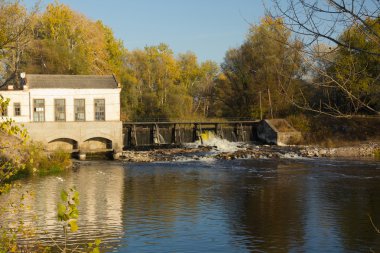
{"x":140,"y":134}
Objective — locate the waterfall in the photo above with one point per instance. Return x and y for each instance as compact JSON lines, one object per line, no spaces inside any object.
{"x":161,"y":139}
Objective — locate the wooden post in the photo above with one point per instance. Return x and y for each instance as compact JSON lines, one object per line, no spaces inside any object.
{"x":133,"y":136}
{"x":239,"y":131}
{"x":174,"y":133}
{"x":151,"y":134}
{"x":270,"y":104}
{"x":178,"y":135}
{"x":261,"y":108}
{"x":242,"y":132}
{"x":195,"y":130}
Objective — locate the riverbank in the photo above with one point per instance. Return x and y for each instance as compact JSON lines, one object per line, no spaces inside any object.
{"x":19,"y":158}
{"x":245,"y":151}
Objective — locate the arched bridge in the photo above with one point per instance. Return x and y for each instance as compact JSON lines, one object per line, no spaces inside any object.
{"x":78,"y":136}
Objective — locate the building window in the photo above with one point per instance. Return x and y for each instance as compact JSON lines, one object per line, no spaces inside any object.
{"x":100,"y":110}
{"x":60,"y":109}
{"x":79,"y":110}
{"x":39,"y":110}
{"x":17,"y":108}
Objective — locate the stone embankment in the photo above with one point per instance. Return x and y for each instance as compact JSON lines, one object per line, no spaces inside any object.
{"x":249,"y":152}
{"x":363,"y":150}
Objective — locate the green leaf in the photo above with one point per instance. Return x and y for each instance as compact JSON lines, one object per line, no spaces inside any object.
{"x":73,"y":225}
{"x":61,"y":212}
{"x":74,"y":214}
{"x":64,"y":195}
{"x":97,"y":242}
{"x":76,"y":197}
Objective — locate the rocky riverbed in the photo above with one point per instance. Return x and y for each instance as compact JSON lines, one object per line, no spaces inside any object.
{"x":245,"y":151}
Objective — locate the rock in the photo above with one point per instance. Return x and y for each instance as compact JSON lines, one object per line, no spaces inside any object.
{"x":251,"y":152}
{"x":82,"y":156}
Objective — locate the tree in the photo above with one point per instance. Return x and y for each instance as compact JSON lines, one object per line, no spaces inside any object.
{"x":160,"y":85}
{"x":255,"y":74}
{"x":206,"y":90}
{"x":347,"y":83}
{"x":66,"y":42}
{"x":198,"y":79}
{"x":358,"y":73}
{"x":15,"y":33}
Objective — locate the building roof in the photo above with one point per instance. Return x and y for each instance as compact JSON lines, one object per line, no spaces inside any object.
{"x":71,"y":81}
{"x":280,"y":125}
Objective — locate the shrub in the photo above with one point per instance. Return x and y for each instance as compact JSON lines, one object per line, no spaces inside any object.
{"x":300,"y":122}
{"x":335,"y":132}
{"x":42,"y":162}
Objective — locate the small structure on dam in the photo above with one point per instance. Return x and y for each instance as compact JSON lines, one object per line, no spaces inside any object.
{"x":73,"y":112}
{"x":277,"y":132}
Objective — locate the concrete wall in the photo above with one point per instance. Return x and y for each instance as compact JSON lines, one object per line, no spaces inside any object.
{"x":286,"y":138}
{"x":25,"y":98}
{"x":268,"y":132}
{"x":84,"y":136}
{"x":18,"y":96}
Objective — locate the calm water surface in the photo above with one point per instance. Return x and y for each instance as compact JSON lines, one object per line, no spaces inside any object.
{"x":218,"y":206}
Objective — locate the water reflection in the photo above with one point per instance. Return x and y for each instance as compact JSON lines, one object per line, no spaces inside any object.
{"x":101,"y":190}
{"x":270,"y":207}
{"x":225,"y":206}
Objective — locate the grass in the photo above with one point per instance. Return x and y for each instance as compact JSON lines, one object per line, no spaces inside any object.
{"x":377,"y":154}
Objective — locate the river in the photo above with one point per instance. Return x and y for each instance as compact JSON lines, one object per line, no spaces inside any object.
{"x":283,"y":205}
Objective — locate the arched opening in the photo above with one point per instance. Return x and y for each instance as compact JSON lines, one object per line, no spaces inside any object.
{"x":97,"y":143}
{"x":63,"y":143}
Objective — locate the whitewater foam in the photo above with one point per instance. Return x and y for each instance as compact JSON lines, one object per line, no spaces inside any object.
{"x":217,"y":144}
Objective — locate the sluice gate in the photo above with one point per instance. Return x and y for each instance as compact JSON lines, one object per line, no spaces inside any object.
{"x":138,"y":134}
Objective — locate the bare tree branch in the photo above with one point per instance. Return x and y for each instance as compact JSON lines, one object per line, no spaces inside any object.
{"x":324,"y":20}
{"x":338,"y":22}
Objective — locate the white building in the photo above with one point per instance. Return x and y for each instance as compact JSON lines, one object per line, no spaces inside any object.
{"x":71,"y":111}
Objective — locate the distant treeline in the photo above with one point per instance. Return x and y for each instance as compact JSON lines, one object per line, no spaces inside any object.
{"x":272,"y":74}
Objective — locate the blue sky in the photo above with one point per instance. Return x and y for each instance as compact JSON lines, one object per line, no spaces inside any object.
{"x":206,"y":27}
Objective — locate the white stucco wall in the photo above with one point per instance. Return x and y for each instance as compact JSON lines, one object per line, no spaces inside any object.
{"x":25,"y":98}
{"x":18,"y":96}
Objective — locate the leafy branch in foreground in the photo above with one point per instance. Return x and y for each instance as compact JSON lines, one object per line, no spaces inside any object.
{"x":12,"y":138}
{"x":68,"y":215}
